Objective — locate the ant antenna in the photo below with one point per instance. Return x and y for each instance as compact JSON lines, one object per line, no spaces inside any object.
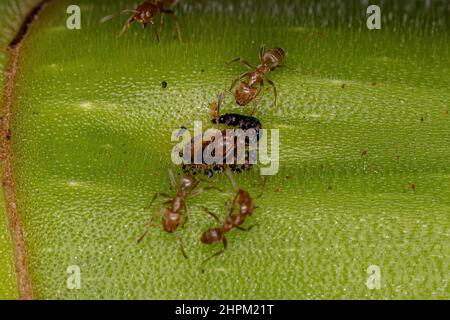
{"x":219,"y":102}
{"x":262,"y":50}
{"x":263,"y":187}
{"x":173,"y":182}
{"x":180,"y":243}
{"x":233,"y":182}
{"x":107,"y":18}
{"x":143,"y":235}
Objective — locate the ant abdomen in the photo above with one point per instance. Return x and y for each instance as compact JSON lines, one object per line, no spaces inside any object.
{"x":273,"y":58}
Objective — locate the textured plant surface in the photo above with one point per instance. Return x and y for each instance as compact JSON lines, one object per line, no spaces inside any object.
{"x":364,"y":162}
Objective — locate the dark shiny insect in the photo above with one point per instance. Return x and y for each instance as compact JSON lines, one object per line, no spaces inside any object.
{"x":240,"y":121}
{"x":146,"y":14}
{"x":227,"y":144}
{"x":248,"y":90}
{"x":233,"y":119}
{"x":174,"y":207}
{"x":241,"y":207}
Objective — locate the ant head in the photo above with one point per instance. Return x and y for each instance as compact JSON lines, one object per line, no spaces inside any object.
{"x":187,"y":182}
{"x":243,"y":195}
{"x":220,"y":119}
{"x":146,"y":17}
{"x":212,"y":236}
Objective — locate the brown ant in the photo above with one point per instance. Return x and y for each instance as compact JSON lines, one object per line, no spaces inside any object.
{"x":245,"y":208}
{"x":172,"y":215}
{"x":249,"y":89}
{"x":146,"y":13}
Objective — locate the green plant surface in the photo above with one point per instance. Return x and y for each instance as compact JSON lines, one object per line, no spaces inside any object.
{"x":91,"y":146}
{"x":13,"y":13}
{"x":8,"y":286}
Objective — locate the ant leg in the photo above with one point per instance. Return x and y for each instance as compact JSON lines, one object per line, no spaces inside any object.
{"x":274,"y":89}
{"x":262,"y":188}
{"x":186,"y":215}
{"x":156,"y":32}
{"x":262,"y":51}
{"x":257,"y":100}
{"x":235,"y":81}
{"x":195,"y":184}
{"x":180,"y":243}
{"x":219,"y":103}
{"x":241,"y":60}
{"x":208,"y":185}
{"x":143,"y":235}
{"x":161,"y":22}
{"x":228,"y":91}
{"x":196,"y":193}
{"x":158,"y":194}
{"x":247,"y":229}
{"x":200,"y":191}
{"x":175,"y":21}
{"x":126,"y":26}
{"x":216,"y":254}
{"x":212,"y":214}
{"x":148,"y":225}
{"x":236,"y":189}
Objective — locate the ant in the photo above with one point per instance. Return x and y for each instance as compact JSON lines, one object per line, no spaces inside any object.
{"x":172,"y":216}
{"x":146,"y":13}
{"x":245,"y":208}
{"x":249,"y":89}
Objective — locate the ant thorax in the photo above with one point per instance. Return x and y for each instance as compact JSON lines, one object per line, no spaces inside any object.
{"x":262,"y":69}
{"x":245,"y":93}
